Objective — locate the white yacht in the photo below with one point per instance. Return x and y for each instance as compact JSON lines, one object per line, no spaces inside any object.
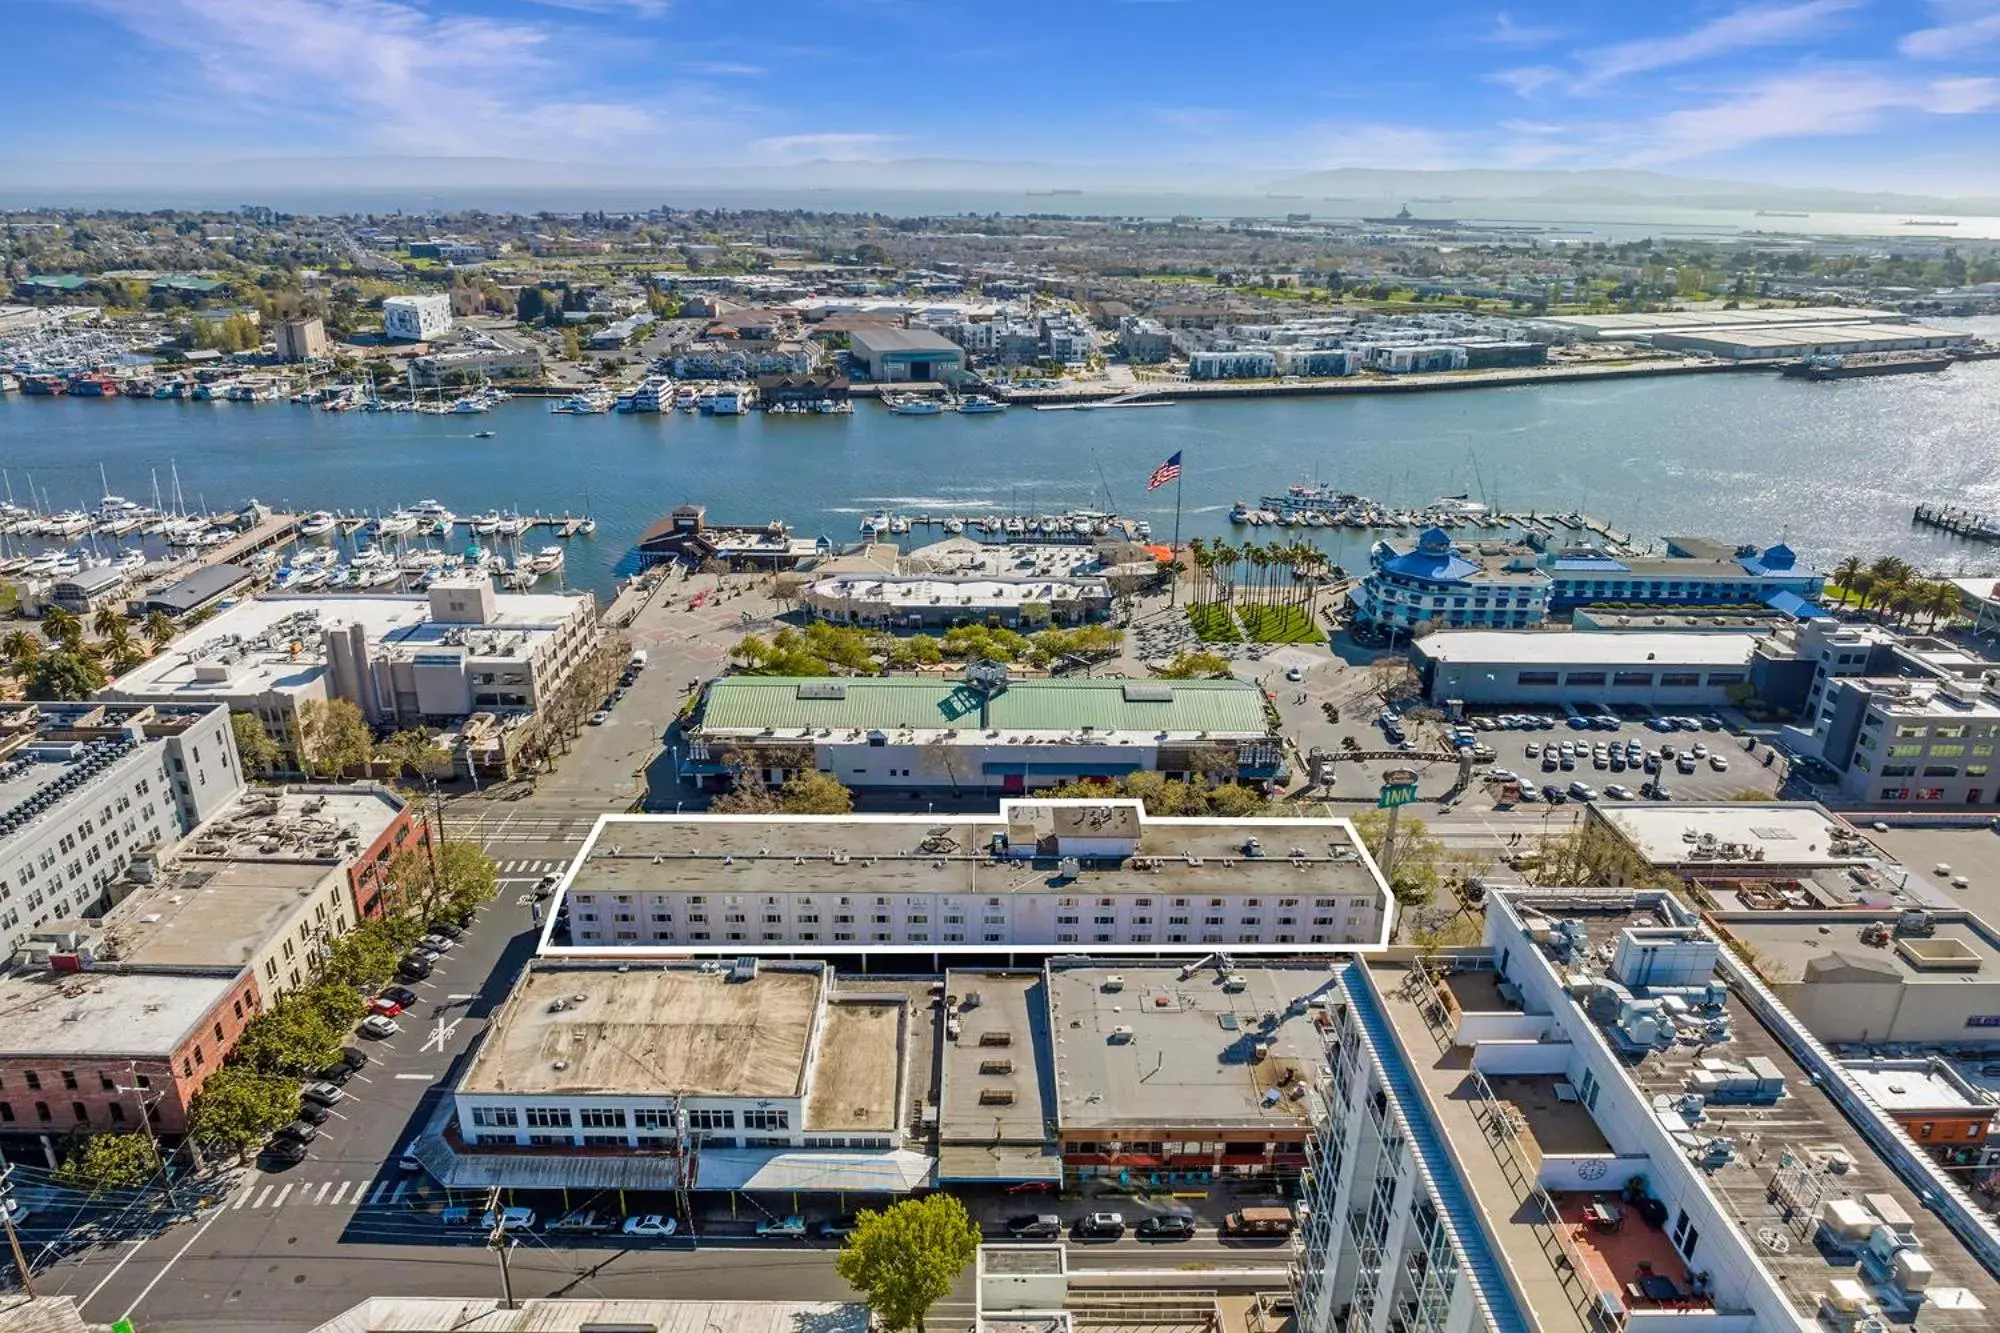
{"x":548,"y":560}
{"x":396,"y":524}
{"x":977,"y":404}
{"x":912,"y":405}
{"x":487,"y":523}
{"x":316,"y":524}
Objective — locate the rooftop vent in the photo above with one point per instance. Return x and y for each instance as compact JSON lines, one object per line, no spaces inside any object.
{"x":1147,"y":692}
{"x":822,"y":689}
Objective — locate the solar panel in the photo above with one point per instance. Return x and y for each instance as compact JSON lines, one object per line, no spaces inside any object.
{"x":1137,"y":692}
{"x":822,"y":689}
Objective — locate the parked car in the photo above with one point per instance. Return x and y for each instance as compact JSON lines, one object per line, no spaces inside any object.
{"x":1035,"y":1226}
{"x":447,"y":929}
{"x":379,"y":1026}
{"x":1618,"y":793}
{"x":1170,"y":1226}
{"x":324,"y":1092}
{"x":581,"y":1221}
{"x":402,"y":995}
{"x":338,"y":1072}
{"x":1104,"y":1225}
{"x":653,"y":1225}
{"x":1295,"y":675}
{"x":437,"y":943}
{"x":414,"y":968}
{"x":1718,"y":763}
{"x":794,"y":1225}
{"x":285,"y":1152}
{"x":409,"y":1161}
{"x":313,"y":1113}
{"x":509,"y":1219}
{"x":835,"y":1227}
{"x":385,"y":1006}
{"x":1711,"y":723}
{"x":600,"y":717}
{"x":298,"y":1131}
{"x":455,"y":1217}
{"x":1583,"y":791}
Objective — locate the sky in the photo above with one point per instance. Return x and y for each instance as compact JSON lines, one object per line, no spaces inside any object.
{"x":1871,"y":94}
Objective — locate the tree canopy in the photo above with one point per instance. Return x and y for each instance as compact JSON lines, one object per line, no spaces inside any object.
{"x":237,"y":1108}
{"x":64,"y":674}
{"x":453,"y":879}
{"x":807,"y":793}
{"x":906,"y":1258}
{"x":255,"y":746}
{"x":1166,"y":797}
{"x":1418,"y":869}
{"x":110,"y":1162}
{"x":332,"y":737}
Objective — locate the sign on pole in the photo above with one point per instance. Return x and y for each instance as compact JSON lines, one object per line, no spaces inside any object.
{"x":1399,"y":787}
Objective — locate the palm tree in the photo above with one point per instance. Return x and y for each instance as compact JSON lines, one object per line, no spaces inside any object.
{"x":63,"y":627}
{"x":160,"y":629}
{"x":1862,"y":585}
{"x":1890,"y":569}
{"x":1843,"y":575}
{"x":21,"y":650}
{"x":118,"y":645}
{"x":1905,"y":599}
{"x":1943,"y":600}
{"x":105,"y":618}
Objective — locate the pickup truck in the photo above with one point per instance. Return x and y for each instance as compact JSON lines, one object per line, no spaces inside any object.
{"x":782,"y":1226}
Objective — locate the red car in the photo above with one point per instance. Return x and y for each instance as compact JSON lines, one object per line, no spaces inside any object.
{"x":384,"y":1006}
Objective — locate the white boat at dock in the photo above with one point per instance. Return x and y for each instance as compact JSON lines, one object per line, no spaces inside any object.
{"x":913,"y":405}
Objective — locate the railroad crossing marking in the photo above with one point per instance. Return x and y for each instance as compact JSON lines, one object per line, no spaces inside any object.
{"x":440,"y":1035}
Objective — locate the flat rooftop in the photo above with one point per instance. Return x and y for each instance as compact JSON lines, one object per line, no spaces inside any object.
{"x":1884,"y":335}
{"x":857,"y":1078}
{"x":834,"y":854}
{"x":1627,"y":325}
{"x":964,"y":556}
{"x":1637,"y":648}
{"x":211,"y":913}
{"x":1914,"y":1086}
{"x":55,"y":751}
{"x":652,"y":1032}
{"x":907,"y":709}
{"x":994,"y":1087}
{"x":105,"y":1014}
{"x":1806,"y":1120}
{"x":1739,"y":835}
{"x":1177,"y":1047}
{"x":913,"y":590}
{"x":1789,"y":943}
{"x":452,"y":1314}
{"x":272,"y":642}
{"x":297,"y":823}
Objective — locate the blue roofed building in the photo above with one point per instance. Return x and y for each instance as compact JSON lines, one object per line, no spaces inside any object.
{"x":1489,"y":586}
{"x":1514,"y":586}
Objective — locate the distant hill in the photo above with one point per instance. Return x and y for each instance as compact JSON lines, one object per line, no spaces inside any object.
{"x":1607,"y":186}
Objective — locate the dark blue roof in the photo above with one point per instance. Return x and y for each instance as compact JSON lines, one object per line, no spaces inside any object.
{"x":1779,"y":559}
{"x":1433,"y":559}
{"x":1797,"y":607}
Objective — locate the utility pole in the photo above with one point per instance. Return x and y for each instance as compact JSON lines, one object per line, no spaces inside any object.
{"x":13,"y":1236}
{"x":146,"y":1119}
{"x":497,"y":1241}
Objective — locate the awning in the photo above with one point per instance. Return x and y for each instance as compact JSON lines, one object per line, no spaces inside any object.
{"x":895,"y":1172}
{"x":998,"y":1163}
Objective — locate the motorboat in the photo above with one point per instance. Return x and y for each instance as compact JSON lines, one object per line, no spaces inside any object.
{"x":396,"y":524}
{"x":977,"y":404}
{"x":316,"y":524}
{"x":912,"y":405}
{"x":487,"y":523}
{"x":511,"y":525}
{"x":548,"y":560}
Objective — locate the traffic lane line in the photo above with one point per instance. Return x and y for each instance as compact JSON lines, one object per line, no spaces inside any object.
{"x":132,"y":1249}
{"x":200,"y":1231}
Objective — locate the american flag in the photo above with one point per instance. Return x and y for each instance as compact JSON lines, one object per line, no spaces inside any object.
{"x":1165,"y":472}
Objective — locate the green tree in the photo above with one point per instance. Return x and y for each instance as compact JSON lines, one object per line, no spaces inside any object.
{"x":255,"y":746}
{"x":453,"y":879}
{"x":237,"y":1108}
{"x":107,"y":621}
{"x":917,"y":650}
{"x":332,"y":737}
{"x":291,"y":1037}
{"x":120,"y":648}
{"x":1843,"y":576}
{"x":21,"y":649}
{"x":110,"y":1162}
{"x":413,"y":750}
{"x":815,"y":793}
{"x":365,"y":957}
{"x":906,"y":1258}
{"x":160,"y":629}
{"x":1196,"y":666}
{"x":1417,"y":870}
{"x":64,"y":674}
{"x":63,"y":627}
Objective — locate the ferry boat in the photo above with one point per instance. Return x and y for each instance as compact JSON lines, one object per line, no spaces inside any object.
{"x":92,"y":386}
{"x":911,"y":405}
{"x":316,"y":524}
{"x":1303,"y":496}
{"x":977,"y":404}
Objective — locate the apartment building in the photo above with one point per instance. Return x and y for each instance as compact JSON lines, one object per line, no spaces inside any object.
{"x":1506,"y":1141}
{"x":1043,"y":875}
{"x":416,"y":318}
{"x":1230,"y":364}
{"x":85,"y":788}
{"x":1486,"y":586}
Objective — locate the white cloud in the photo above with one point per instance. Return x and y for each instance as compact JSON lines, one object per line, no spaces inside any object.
{"x":1960,"y":28}
{"x":1813,"y":104}
{"x":1527,"y":80}
{"x":1506,"y":32}
{"x":834,"y":146}
{"x":387,"y":75}
{"x":1757,"y":25}
{"x":724,"y":69}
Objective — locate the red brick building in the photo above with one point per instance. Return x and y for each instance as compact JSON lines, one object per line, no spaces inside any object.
{"x":97,"y":1050}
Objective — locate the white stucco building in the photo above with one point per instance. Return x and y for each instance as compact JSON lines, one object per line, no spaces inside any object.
{"x":416,"y":318}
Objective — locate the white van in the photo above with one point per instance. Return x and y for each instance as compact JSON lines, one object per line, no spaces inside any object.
{"x":637,"y":662}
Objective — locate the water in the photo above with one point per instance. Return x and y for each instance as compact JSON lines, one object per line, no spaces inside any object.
{"x":1834,"y":469}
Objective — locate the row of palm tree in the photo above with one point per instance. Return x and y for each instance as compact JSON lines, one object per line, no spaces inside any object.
{"x":122,"y":642}
{"x":1892,"y":588}
{"x":1270,"y":573}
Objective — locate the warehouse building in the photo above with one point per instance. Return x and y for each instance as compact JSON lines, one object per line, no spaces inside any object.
{"x":889,"y":601}
{"x":1687,"y":669}
{"x":1039,"y":876}
{"x":897,"y":356}
{"x":1823,"y":340}
{"x":985,"y":735}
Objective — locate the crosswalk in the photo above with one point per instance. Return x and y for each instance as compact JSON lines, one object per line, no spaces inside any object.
{"x":331,"y":1193}
{"x":528,"y":869}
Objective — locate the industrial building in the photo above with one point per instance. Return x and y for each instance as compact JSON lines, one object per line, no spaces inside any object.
{"x":416,"y":318}
{"x":1640,"y":327}
{"x":1601,"y":1118}
{"x":686,"y":1076}
{"x":303,"y":339}
{"x":1794,"y":342}
{"x":457,"y":650}
{"x":951,"y":734}
{"x":896,"y":601}
{"x":85,"y":788}
{"x":897,"y":356}
{"x":1479,"y":667}
{"x":1039,"y":876}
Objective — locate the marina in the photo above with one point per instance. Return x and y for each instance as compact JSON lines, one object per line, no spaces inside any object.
{"x":1832,"y":469}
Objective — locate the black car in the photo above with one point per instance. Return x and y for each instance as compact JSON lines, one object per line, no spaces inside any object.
{"x":446,"y":929}
{"x":414,"y":968}
{"x":298,"y":1131}
{"x":1035,"y":1226}
{"x":285,"y":1152}
{"x":313,"y":1113}
{"x":337,"y":1073}
{"x":353,"y":1057}
{"x":1172,"y":1226}
{"x":402,"y":995}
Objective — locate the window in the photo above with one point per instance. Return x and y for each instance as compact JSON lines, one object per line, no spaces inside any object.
{"x":34,"y":1079}
{"x":711,"y":1119}
{"x":69,"y":1079}
{"x":601,"y":1118}
{"x":1685,"y":1236}
{"x":42,"y":1112}
{"x":1584,"y":678}
{"x":652,"y":1119}
{"x":773,"y":1119}
{"x":494,"y":1117}
{"x":80,"y":1112}
{"x":548,"y":1117}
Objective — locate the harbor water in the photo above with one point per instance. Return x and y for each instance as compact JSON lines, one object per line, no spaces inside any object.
{"x":1832,"y":469}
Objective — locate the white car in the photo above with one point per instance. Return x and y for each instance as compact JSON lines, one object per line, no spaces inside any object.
{"x":1618,"y":793}
{"x":510,"y":1219}
{"x":1718,"y":763}
{"x":1295,"y":675}
{"x":600,"y":717}
{"x":379,"y":1026}
{"x":652,"y":1224}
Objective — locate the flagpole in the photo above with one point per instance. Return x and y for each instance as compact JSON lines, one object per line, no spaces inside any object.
{"x":1174,"y":590}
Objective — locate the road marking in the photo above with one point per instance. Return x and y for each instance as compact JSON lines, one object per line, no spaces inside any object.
{"x":428,"y":1078}
{"x":376,"y":1197}
{"x":244,"y":1189}
{"x":331,"y":1111}
{"x":337,"y":1194}
{"x":113,"y":1273}
{"x":262,"y":1195}
{"x":279,"y":1201}
{"x":364,"y":1078}
{"x":199,"y":1233}
{"x":461,"y":995}
{"x":402,"y":1188}
{"x":440,"y":1035}
{"x":321,"y":1196}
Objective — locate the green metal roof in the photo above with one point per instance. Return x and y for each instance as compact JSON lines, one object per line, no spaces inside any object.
{"x":886,"y":703}
{"x":62,"y":282}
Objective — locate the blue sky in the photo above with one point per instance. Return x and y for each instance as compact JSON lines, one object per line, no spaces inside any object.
{"x":1861,"y":93}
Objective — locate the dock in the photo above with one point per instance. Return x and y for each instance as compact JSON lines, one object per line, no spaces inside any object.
{"x":1958,"y":522}
{"x":348,"y":522}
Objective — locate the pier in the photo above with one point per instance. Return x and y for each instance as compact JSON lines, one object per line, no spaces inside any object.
{"x":1958,"y":522}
